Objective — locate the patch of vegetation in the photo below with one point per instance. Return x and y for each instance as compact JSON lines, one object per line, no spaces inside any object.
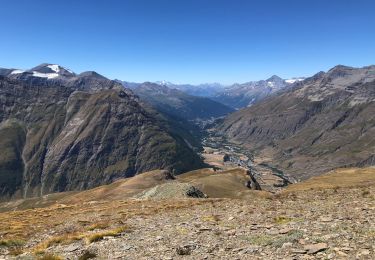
{"x":365,"y":193}
{"x":12,"y":242}
{"x":212,"y":218}
{"x":99,"y":225}
{"x":69,"y":238}
{"x":262,"y":239}
{"x":50,"y":257}
{"x":110,"y":233}
{"x":282,"y":220}
{"x":63,"y":239}
{"x":336,"y":180}
{"x":370,"y":233}
{"x":15,"y":251}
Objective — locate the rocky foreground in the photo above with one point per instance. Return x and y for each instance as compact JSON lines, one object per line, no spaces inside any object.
{"x":311,"y":223}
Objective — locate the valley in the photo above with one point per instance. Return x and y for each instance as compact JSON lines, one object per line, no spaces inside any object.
{"x":222,"y":154}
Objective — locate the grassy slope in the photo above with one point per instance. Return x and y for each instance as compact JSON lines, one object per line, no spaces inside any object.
{"x":221,"y":184}
{"x":224,"y":184}
{"x":339,"y":178}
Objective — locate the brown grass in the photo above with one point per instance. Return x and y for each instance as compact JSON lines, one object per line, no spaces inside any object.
{"x":77,"y":221}
{"x":282,"y":220}
{"x":99,"y":225}
{"x":121,"y":189}
{"x":77,"y":213}
{"x":69,"y":238}
{"x":62,"y":239}
{"x":50,"y":257}
{"x":109,"y":233}
{"x":80,"y":218}
{"x":336,"y":179}
{"x":221,"y":184}
{"x":12,"y":242}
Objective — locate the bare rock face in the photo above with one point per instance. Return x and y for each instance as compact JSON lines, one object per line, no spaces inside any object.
{"x":76,"y":132}
{"x":321,"y":123}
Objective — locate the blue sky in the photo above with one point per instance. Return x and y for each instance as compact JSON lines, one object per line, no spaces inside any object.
{"x":188,"y":41}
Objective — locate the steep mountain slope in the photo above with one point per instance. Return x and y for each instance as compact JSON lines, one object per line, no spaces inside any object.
{"x":177,"y":103}
{"x":243,"y":95}
{"x":73,"y":132}
{"x":326,"y":121}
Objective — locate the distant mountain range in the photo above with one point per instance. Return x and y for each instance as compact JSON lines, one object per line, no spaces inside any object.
{"x":247,"y":94}
{"x":60,"y":131}
{"x":324,"y":122}
{"x":235,"y":96}
{"x":201,"y":90}
{"x":178,"y":103}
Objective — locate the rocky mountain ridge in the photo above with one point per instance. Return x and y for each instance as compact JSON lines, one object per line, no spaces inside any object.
{"x":319,"y":124}
{"x":247,"y":94}
{"x":73,"y":132}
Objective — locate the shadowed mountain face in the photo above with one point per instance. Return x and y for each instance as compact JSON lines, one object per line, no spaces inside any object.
{"x":326,"y":121}
{"x":179,"y":104}
{"x":73,"y":132}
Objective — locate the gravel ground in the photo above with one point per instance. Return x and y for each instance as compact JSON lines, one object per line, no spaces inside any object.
{"x":328,"y":224}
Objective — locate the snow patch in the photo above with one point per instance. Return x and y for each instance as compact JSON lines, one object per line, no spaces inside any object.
{"x":57,"y":68}
{"x":251,"y":102}
{"x":17,"y":71}
{"x":270,"y":84}
{"x":54,"y":67}
{"x":291,"y":81}
{"x":45,"y":75}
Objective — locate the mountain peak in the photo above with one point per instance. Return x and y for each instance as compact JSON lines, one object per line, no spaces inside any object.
{"x":164,"y":83}
{"x":341,"y":67}
{"x":91,"y":74}
{"x":50,"y":70}
{"x":274,"y":78}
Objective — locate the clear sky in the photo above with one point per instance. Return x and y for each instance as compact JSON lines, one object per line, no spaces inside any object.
{"x":188,"y":41}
